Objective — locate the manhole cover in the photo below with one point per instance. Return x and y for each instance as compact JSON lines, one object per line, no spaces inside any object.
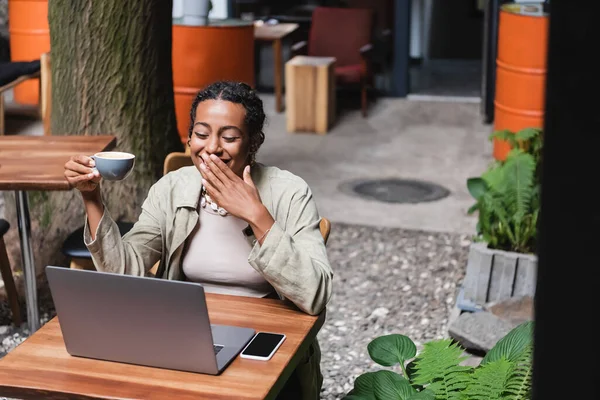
{"x":396,"y":190}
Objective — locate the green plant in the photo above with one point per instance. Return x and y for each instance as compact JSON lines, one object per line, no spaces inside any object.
{"x":508,"y":194}
{"x":437,"y":374}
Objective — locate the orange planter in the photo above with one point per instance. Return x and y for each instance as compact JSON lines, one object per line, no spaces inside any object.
{"x":29,"y":38}
{"x":223,"y":50}
{"x":520,"y":71}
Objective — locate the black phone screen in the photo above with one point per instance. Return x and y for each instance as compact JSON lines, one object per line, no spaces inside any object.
{"x":262,"y":344}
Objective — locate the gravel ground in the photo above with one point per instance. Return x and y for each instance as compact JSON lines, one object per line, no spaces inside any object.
{"x":386,"y":281}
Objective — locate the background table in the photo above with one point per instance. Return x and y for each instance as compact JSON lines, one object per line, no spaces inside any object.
{"x":40,"y":367}
{"x":37,"y":163}
{"x":274,"y":34}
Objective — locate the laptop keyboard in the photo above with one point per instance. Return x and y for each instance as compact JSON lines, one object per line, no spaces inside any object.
{"x":217,"y":348}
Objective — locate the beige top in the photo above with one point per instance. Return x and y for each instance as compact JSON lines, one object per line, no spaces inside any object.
{"x":217,"y":257}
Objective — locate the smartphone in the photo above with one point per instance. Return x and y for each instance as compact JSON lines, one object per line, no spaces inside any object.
{"x":262,"y":346}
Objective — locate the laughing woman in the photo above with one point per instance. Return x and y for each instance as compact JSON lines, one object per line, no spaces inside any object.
{"x":235,"y":226}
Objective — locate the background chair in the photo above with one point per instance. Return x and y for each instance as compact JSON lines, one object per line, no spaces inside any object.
{"x":45,"y":91}
{"x":346,"y":34}
{"x":325,"y":228}
{"x":14,"y":72}
{"x":7,"y":276}
{"x":383,"y":25}
{"x":74,"y":247}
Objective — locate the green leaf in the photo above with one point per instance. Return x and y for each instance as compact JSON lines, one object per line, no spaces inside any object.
{"x":519,"y":172}
{"x":477,"y":187}
{"x":389,"y":350}
{"x":392,"y":386}
{"x":513,"y":345}
{"x":503,"y":134}
{"x":489,"y":381}
{"x":473,"y":208}
{"x":356,"y":397}
{"x":410,"y":372}
{"x":423,"y":395}
{"x":438,"y":367}
{"x":527,"y":134}
{"x":364,"y":385}
{"x":518,"y":384}
{"x":494,"y":178}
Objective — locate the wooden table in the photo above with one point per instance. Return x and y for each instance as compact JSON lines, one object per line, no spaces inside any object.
{"x":37,"y":163}
{"x":40,"y":367}
{"x":275,"y":34}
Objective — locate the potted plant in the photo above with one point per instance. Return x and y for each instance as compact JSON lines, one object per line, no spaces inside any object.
{"x":502,"y":261}
{"x":437,"y":374}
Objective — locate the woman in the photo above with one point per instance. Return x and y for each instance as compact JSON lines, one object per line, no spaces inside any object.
{"x":237,"y":227}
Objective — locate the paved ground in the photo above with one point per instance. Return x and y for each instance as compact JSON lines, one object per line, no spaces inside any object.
{"x":443,"y":143}
{"x":397,"y":266}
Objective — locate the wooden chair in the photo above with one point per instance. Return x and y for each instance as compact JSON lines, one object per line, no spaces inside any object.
{"x":176,"y":160}
{"x":7,"y":276}
{"x":325,"y":228}
{"x":45,"y":91}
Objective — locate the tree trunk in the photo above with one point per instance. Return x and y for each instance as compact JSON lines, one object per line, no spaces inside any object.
{"x":111,"y":74}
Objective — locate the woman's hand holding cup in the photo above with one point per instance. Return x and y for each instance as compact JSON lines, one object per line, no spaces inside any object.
{"x":81,"y":174}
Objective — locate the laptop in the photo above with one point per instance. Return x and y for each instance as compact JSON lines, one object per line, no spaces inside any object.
{"x":141,"y":320}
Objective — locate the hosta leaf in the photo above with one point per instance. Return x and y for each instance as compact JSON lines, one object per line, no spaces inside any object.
{"x":356,"y":397}
{"x":364,"y":384}
{"x":391,"y":386}
{"x":389,"y":350}
{"x":477,"y":187}
{"x":423,"y":395}
{"x":513,"y":345}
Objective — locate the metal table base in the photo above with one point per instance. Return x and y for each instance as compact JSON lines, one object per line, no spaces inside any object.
{"x":33,"y":318}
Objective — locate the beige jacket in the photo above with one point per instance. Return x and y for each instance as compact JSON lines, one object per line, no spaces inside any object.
{"x":292,"y":258}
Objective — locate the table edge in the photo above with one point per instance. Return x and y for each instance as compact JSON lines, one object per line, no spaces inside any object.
{"x":62,"y":185}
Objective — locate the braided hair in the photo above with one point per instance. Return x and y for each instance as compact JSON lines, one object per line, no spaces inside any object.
{"x":239,"y":93}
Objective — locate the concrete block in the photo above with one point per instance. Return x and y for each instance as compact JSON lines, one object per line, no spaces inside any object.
{"x":496,"y":275}
{"x":504,"y":268}
{"x":479,"y":331}
{"x":526,"y":278}
{"x":479,"y":268}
